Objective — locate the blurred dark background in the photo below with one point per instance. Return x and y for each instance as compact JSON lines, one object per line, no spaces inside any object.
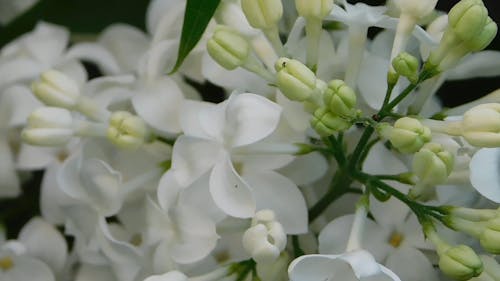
{"x":91,"y":16}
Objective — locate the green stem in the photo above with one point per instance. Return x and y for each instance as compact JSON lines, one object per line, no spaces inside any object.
{"x":358,"y":151}
{"x":297,"y":250}
{"x":420,"y":210}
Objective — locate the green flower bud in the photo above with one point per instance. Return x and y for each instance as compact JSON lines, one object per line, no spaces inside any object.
{"x":406,"y":65}
{"x":327,"y":123}
{"x":317,"y":9}
{"x":228,"y":48}
{"x":467,"y":18}
{"x":262,"y":14}
{"x":126,"y":130}
{"x":460,"y":263}
{"x":483,"y":38}
{"x":432,"y":164}
{"x":295,"y":80}
{"x":490,"y":237}
{"x":481,"y":125}
{"x":340,"y":98}
{"x":409,"y":135}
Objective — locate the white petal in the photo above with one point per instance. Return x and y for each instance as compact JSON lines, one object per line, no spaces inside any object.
{"x":47,"y":42}
{"x":250,"y":118}
{"x":74,"y":69}
{"x":278,"y":193}
{"x":168,"y":190}
{"x":126,"y":43}
{"x":158,"y":60}
{"x":190,"y":118}
{"x":230,"y":192}
{"x":333,"y":238}
{"x":371,"y":81}
{"x":411,"y":265}
{"x":9,"y":182}
{"x":117,"y":251}
{"x":294,"y":113}
{"x":10,"y":10}
{"x":169,"y":276}
{"x":380,"y":154}
{"x":155,"y":11}
{"x":88,"y":272}
{"x":159,"y":103}
{"x":197,"y":236}
{"x":52,"y":198}
{"x":319,"y":268}
{"x":482,"y":64}
{"x":97,"y":54}
{"x":484,"y":173}
{"x":193,"y":157}
{"x":390,"y":213}
{"x":35,"y":157}
{"x":26,"y":268}
{"x":306,"y":169}
{"x":22,"y":103}
{"x":53,"y":250}
{"x":18,"y":70}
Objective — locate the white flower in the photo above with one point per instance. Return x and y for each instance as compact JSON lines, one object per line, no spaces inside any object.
{"x":484,"y":173}
{"x":351,"y":266}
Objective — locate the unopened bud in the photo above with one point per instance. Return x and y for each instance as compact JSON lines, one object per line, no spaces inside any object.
{"x":327,"y":123}
{"x":481,"y":40}
{"x":317,"y":9}
{"x":432,"y":164}
{"x":467,"y":18}
{"x":340,"y":98}
{"x":460,"y":263}
{"x":228,"y":48}
{"x":126,"y":130}
{"x":409,"y":135}
{"x":56,"y":89}
{"x":262,"y":14}
{"x":406,"y":65}
{"x":265,"y":239}
{"x":481,"y":125}
{"x":295,"y":80}
{"x":49,"y":126}
{"x":490,"y":237}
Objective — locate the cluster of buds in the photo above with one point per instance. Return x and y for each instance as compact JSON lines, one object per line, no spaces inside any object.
{"x":483,"y":225}
{"x":265,"y":239}
{"x":54,"y":125}
{"x":470,"y":29}
{"x":339,"y":109}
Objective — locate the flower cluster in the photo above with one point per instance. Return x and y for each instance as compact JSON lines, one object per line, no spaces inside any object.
{"x":330,"y":158}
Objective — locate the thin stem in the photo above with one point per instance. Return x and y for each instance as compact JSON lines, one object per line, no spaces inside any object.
{"x":297,"y":250}
{"x":273,"y":37}
{"x":388,"y":93}
{"x":358,"y":151}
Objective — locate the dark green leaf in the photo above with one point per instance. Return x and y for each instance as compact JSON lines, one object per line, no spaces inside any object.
{"x":196,"y":18}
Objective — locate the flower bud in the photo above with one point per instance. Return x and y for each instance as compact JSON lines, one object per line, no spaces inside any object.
{"x":409,"y":135}
{"x":126,"y":130}
{"x":48,"y":126}
{"x":295,"y":80}
{"x":262,"y":14}
{"x":467,"y":18}
{"x":490,"y":237}
{"x":481,"y":125}
{"x":265,"y":239}
{"x":317,"y":9}
{"x":228,"y":48}
{"x":406,"y":65}
{"x":56,"y":89}
{"x":483,"y":38}
{"x":432,"y":164}
{"x":340,"y":98}
{"x":460,"y":263}
{"x":327,"y":123}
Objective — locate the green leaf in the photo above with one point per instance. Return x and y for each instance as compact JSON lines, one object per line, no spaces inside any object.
{"x":196,"y":18}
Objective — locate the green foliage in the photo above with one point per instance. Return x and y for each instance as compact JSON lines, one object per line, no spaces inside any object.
{"x":196,"y":18}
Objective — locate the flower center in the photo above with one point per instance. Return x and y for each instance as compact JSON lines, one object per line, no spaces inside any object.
{"x":396,"y":239}
{"x":136,"y":240}
{"x":6,"y":263}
